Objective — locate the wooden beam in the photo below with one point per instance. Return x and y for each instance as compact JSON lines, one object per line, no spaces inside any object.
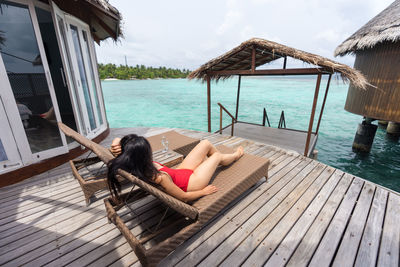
{"x":323,"y":103}
{"x":237,"y":98}
{"x":95,"y":38}
{"x":310,"y":125}
{"x":209,"y":103}
{"x":105,"y":27}
{"x":300,"y":71}
{"x":253,"y":59}
{"x":241,"y":60}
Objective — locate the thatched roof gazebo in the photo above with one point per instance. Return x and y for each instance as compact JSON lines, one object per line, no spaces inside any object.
{"x":244,"y":60}
{"x":376,"y":46}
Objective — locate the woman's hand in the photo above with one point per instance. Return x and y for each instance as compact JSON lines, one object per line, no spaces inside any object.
{"x":116,"y":147}
{"x":209,"y":189}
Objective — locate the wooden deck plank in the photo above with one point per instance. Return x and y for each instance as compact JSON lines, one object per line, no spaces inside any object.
{"x":327,"y":247}
{"x":389,"y":249}
{"x":115,"y":256}
{"x":40,"y":229}
{"x":288,"y":245}
{"x":44,"y":220}
{"x":348,"y":248}
{"x":253,"y":218}
{"x":284,"y":138}
{"x":310,"y":241}
{"x":45,"y":236}
{"x":236,"y":215}
{"x":39,"y":203}
{"x":369,"y":246}
{"x":246,"y":249}
{"x":21,"y":193}
{"x":21,"y":223}
{"x":111,"y":244}
{"x":91,"y":238}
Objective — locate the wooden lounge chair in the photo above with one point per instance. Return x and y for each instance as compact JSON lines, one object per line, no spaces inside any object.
{"x":231,"y":181}
{"x":95,"y":177}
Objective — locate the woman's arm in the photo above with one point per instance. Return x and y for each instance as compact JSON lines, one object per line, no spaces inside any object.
{"x":175,"y":191}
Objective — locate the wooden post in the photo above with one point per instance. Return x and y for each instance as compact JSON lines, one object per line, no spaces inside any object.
{"x":253,"y":59}
{"x":284,"y":62}
{"x":220,"y":120}
{"x":310,"y":125}
{"x":323,"y":103}
{"x":209,"y":103}
{"x":237,"y":98}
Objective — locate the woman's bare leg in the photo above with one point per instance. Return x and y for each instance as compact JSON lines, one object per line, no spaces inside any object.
{"x":202,"y":174}
{"x":198,"y":155}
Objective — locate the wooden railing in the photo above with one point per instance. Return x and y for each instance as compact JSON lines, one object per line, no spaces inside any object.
{"x":222,"y":108}
{"x":282,"y":121}
{"x":265,"y":116}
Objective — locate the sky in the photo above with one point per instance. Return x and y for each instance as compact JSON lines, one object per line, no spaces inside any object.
{"x":186,"y":34}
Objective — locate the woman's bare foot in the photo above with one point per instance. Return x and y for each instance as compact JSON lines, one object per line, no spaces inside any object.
{"x":239,"y":153}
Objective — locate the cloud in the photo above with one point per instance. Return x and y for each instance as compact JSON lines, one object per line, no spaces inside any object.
{"x":231,"y":19}
{"x":189,"y":33}
{"x":329,"y":35}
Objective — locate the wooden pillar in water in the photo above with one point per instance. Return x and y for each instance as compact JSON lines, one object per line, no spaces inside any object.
{"x":393,"y":128}
{"x":323,"y":103}
{"x":310,"y":125}
{"x":209,"y":103}
{"x":237,"y":98}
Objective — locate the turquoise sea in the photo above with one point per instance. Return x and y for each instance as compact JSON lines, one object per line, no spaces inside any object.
{"x":182,"y":103}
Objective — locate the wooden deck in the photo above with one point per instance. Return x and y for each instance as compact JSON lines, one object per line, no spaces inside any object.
{"x":284,"y":138}
{"x":306,"y":214}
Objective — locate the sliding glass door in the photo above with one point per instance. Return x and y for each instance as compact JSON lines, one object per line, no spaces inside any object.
{"x":9,"y":157}
{"x":78,"y":50}
{"x":28,"y":90}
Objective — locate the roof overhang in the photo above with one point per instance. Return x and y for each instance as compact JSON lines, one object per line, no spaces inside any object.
{"x":245,"y":58}
{"x":104,"y":19}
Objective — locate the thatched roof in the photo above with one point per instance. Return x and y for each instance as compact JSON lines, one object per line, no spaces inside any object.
{"x":104,"y":19}
{"x":240,"y":58}
{"x":383,"y":27}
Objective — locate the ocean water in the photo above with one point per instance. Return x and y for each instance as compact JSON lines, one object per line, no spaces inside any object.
{"x":182,"y":103}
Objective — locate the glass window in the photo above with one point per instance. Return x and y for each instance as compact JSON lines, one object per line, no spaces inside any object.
{"x":70,"y":68}
{"x":82,"y":75}
{"x":3,"y":155}
{"x":22,"y":59}
{"x":92,"y":77}
{"x":56,"y":68}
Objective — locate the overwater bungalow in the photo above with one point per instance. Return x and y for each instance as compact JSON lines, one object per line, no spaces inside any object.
{"x":376,"y":46}
{"x":305,"y":214}
{"x":48,"y":71}
{"x":248,"y":59}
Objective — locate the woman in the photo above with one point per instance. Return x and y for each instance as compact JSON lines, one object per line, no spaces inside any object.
{"x":187,"y":182}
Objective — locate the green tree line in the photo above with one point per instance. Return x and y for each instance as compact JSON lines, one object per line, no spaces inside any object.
{"x":139,"y":72}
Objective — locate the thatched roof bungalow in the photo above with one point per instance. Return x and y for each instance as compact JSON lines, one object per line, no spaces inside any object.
{"x":244,"y":59}
{"x":48,"y":72}
{"x":376,"y":46}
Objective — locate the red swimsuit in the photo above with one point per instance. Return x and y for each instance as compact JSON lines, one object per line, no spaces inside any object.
{"x":180,"y":177}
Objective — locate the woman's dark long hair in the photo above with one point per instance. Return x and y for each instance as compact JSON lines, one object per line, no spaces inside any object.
{"x":136,"y":157}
